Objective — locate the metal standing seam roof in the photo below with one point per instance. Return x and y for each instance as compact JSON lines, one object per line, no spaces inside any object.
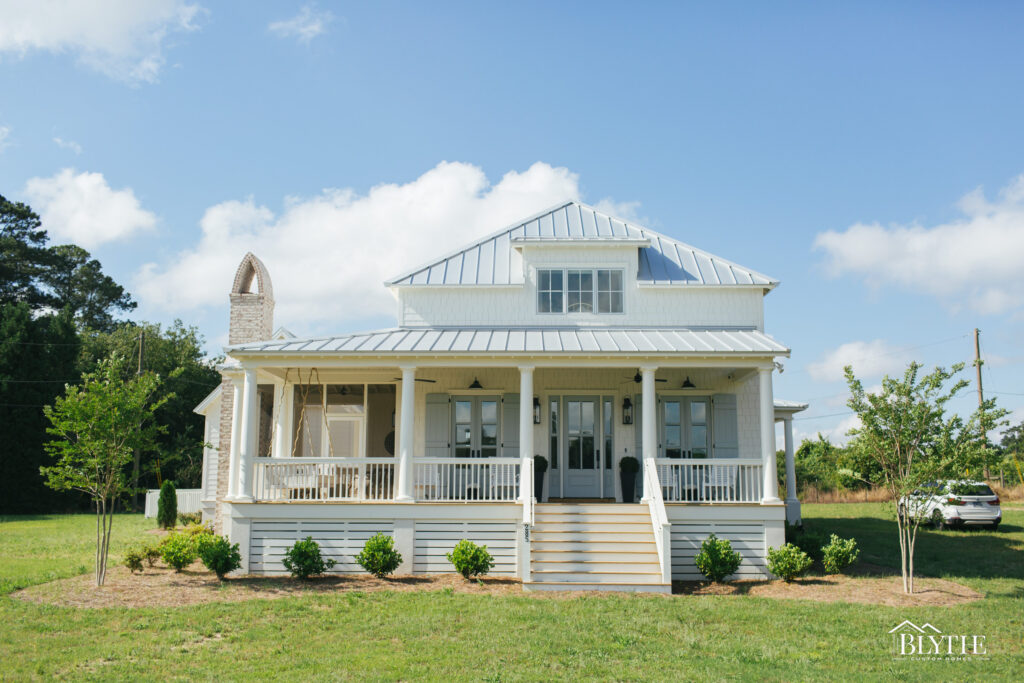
{"x":495,"y":260}
{"x":540,"y":340}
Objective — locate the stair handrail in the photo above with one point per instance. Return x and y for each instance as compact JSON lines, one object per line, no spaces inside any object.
{"x":659,"y":518}
{"x":526,"y":489}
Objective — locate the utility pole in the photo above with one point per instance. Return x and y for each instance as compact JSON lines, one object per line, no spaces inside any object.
{"x":981,"y":394}
{"x":138,"y":456}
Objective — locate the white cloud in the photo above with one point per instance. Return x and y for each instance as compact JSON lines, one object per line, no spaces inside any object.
{"x":304,"y":26}
{"x":329,"y":255}
{"x":124,"y":39}
{"x":68,"y":144}
{"x":82,"y":208}
{"x":5,"y":133}
{"x":870,"y":359}
{"x":972,"y":262}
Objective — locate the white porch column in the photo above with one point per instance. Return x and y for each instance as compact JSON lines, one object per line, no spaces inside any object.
{"x":770,"y":492}
{"x":236,"y":430}
{"x":249,"y":435}
{"x":282,"y":411}
{"x":649,"y":419}
{"x":792,"y":502}
{"x":406,"y":436}
{"x":525,"y":428}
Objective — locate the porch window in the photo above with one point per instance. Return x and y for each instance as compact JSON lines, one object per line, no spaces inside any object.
{"x":684,"y":424}
{"x":580,"y":290}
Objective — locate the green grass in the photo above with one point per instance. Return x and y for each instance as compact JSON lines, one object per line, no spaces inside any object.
{"x":437,"y":636}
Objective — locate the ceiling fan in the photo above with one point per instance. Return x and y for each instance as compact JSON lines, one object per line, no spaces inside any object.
{"x":418,"y":379}
{"x":638,"y":378}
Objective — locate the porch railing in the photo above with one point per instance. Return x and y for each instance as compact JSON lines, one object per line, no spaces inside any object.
{"x":324,"y":479}
{"x":659,"y":518}
{"x":724,"y":480}
{"x":450,"y":480}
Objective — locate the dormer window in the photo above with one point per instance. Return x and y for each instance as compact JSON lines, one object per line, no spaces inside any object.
{"x":576,"y":290}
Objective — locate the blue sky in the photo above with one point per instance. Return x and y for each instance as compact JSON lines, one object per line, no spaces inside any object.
{"x":839,"y":148}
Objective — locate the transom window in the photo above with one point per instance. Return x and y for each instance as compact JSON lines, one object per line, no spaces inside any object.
{"x":579,"y":290}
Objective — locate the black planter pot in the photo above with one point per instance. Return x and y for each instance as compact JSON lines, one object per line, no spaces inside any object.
{"x":538,"y":485}
{"x":628,"y":481}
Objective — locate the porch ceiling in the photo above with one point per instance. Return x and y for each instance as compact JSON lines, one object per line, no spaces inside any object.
{"x":539,"y":340}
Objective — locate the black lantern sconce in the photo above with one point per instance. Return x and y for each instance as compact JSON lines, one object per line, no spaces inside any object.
{"x":627,"y":411}
{"x":536,"y":410}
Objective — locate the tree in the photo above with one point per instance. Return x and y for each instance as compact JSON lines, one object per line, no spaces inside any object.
{"x":23,"y":254}
{"x":96,"y":427}
{"x":167,"y":506}
{"x":38,"y":356}
{"x":75,"y":280}
{"x":905,"y":431}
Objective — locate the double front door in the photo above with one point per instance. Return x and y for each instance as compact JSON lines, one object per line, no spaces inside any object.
{"x":586,"y":447}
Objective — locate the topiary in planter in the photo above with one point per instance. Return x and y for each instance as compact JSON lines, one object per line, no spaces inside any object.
{"x":304,"y":560}
{"x":540,"y":466}
{"x":717,"y":559}
{"x":788,"y":562}
{"x":219,"y":555}
{"x":379,"y":556}
{"x":628,"y":467}
{"x":470,"y":559}
{"x":167,"y":506}
{"x":839,"y":554}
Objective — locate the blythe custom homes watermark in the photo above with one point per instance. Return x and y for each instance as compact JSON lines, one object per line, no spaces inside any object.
{"x":928,"y":642}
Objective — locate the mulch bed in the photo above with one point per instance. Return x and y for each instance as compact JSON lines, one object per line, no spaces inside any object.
{"x":162,"y":587}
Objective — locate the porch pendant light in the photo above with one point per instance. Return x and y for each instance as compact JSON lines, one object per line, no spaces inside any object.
{"x":627,"y":411}
{"x":536,"y":410}
{"x":476,"y":384}
{"x":688,"y":384}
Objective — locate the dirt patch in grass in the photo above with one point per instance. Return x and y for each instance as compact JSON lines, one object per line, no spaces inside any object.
{"x":866,"y":588}
{"x":163,"y":587}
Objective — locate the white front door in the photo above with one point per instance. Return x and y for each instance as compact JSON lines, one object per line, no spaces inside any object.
{"x":587,"y":436}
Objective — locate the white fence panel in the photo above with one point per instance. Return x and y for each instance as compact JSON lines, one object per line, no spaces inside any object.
{"x":188,"y":500}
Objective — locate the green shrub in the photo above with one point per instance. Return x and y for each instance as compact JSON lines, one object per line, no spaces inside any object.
{"x":133,"y":558}
{"x":219,"y":555}
{"x":788,"y":562}
{"x":167,"y":506}
{"x":839,"y":554}
{"x":304,"y":560}
{"x":152,"y":552}
{"x":470,"y":559}
{"x":379,"y":556}
{"x":178,"y":551}
{"x":717,"y":559}
{"x":190,"y":518}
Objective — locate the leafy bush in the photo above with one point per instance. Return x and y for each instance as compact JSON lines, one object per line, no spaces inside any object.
{"x":717,"y":559}
{"x":788,"y":562}
{"x":152,"y":552}
{"x":470,"y":559}
{"x":189,"y":518}
{"x":379,"y":556}
{"x":167,"y":506}
{"x":178,"y":551}
{"x":304,"y":560}
{"x":839,"y":554}
{"x":133,"y":558}
{"x":219,"y":555}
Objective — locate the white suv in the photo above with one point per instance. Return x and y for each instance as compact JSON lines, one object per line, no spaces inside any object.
{"x":954,"y":503}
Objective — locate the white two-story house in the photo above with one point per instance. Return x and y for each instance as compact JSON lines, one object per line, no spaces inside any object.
{"x":573,"y":336}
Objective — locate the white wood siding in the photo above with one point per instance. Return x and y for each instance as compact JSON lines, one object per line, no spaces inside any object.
{"x":434,"y":540}
{"x":340,"y":541}
{"x":746,"y":536}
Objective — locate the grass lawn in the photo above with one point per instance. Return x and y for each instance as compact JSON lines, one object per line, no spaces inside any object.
{"x":437,"y":636}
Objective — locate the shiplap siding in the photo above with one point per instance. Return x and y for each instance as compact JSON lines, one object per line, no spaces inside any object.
{"x":434,"y":540}
{"x":746,"y":537}
{"x":340,"y":541}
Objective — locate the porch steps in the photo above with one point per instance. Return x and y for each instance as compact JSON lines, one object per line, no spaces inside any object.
{"x":594,"y":546}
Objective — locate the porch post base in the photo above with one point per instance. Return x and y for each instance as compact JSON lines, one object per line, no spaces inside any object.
{"x":793,"y":511}
{"x":404,"y":499}
{"x":771,"y":501}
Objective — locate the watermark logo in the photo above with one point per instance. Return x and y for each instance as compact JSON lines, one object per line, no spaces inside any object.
{"x":926,"y":642}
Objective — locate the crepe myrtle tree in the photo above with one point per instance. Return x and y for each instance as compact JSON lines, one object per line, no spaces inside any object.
{"x":905,"y":430}
{"x":96,"y":428}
